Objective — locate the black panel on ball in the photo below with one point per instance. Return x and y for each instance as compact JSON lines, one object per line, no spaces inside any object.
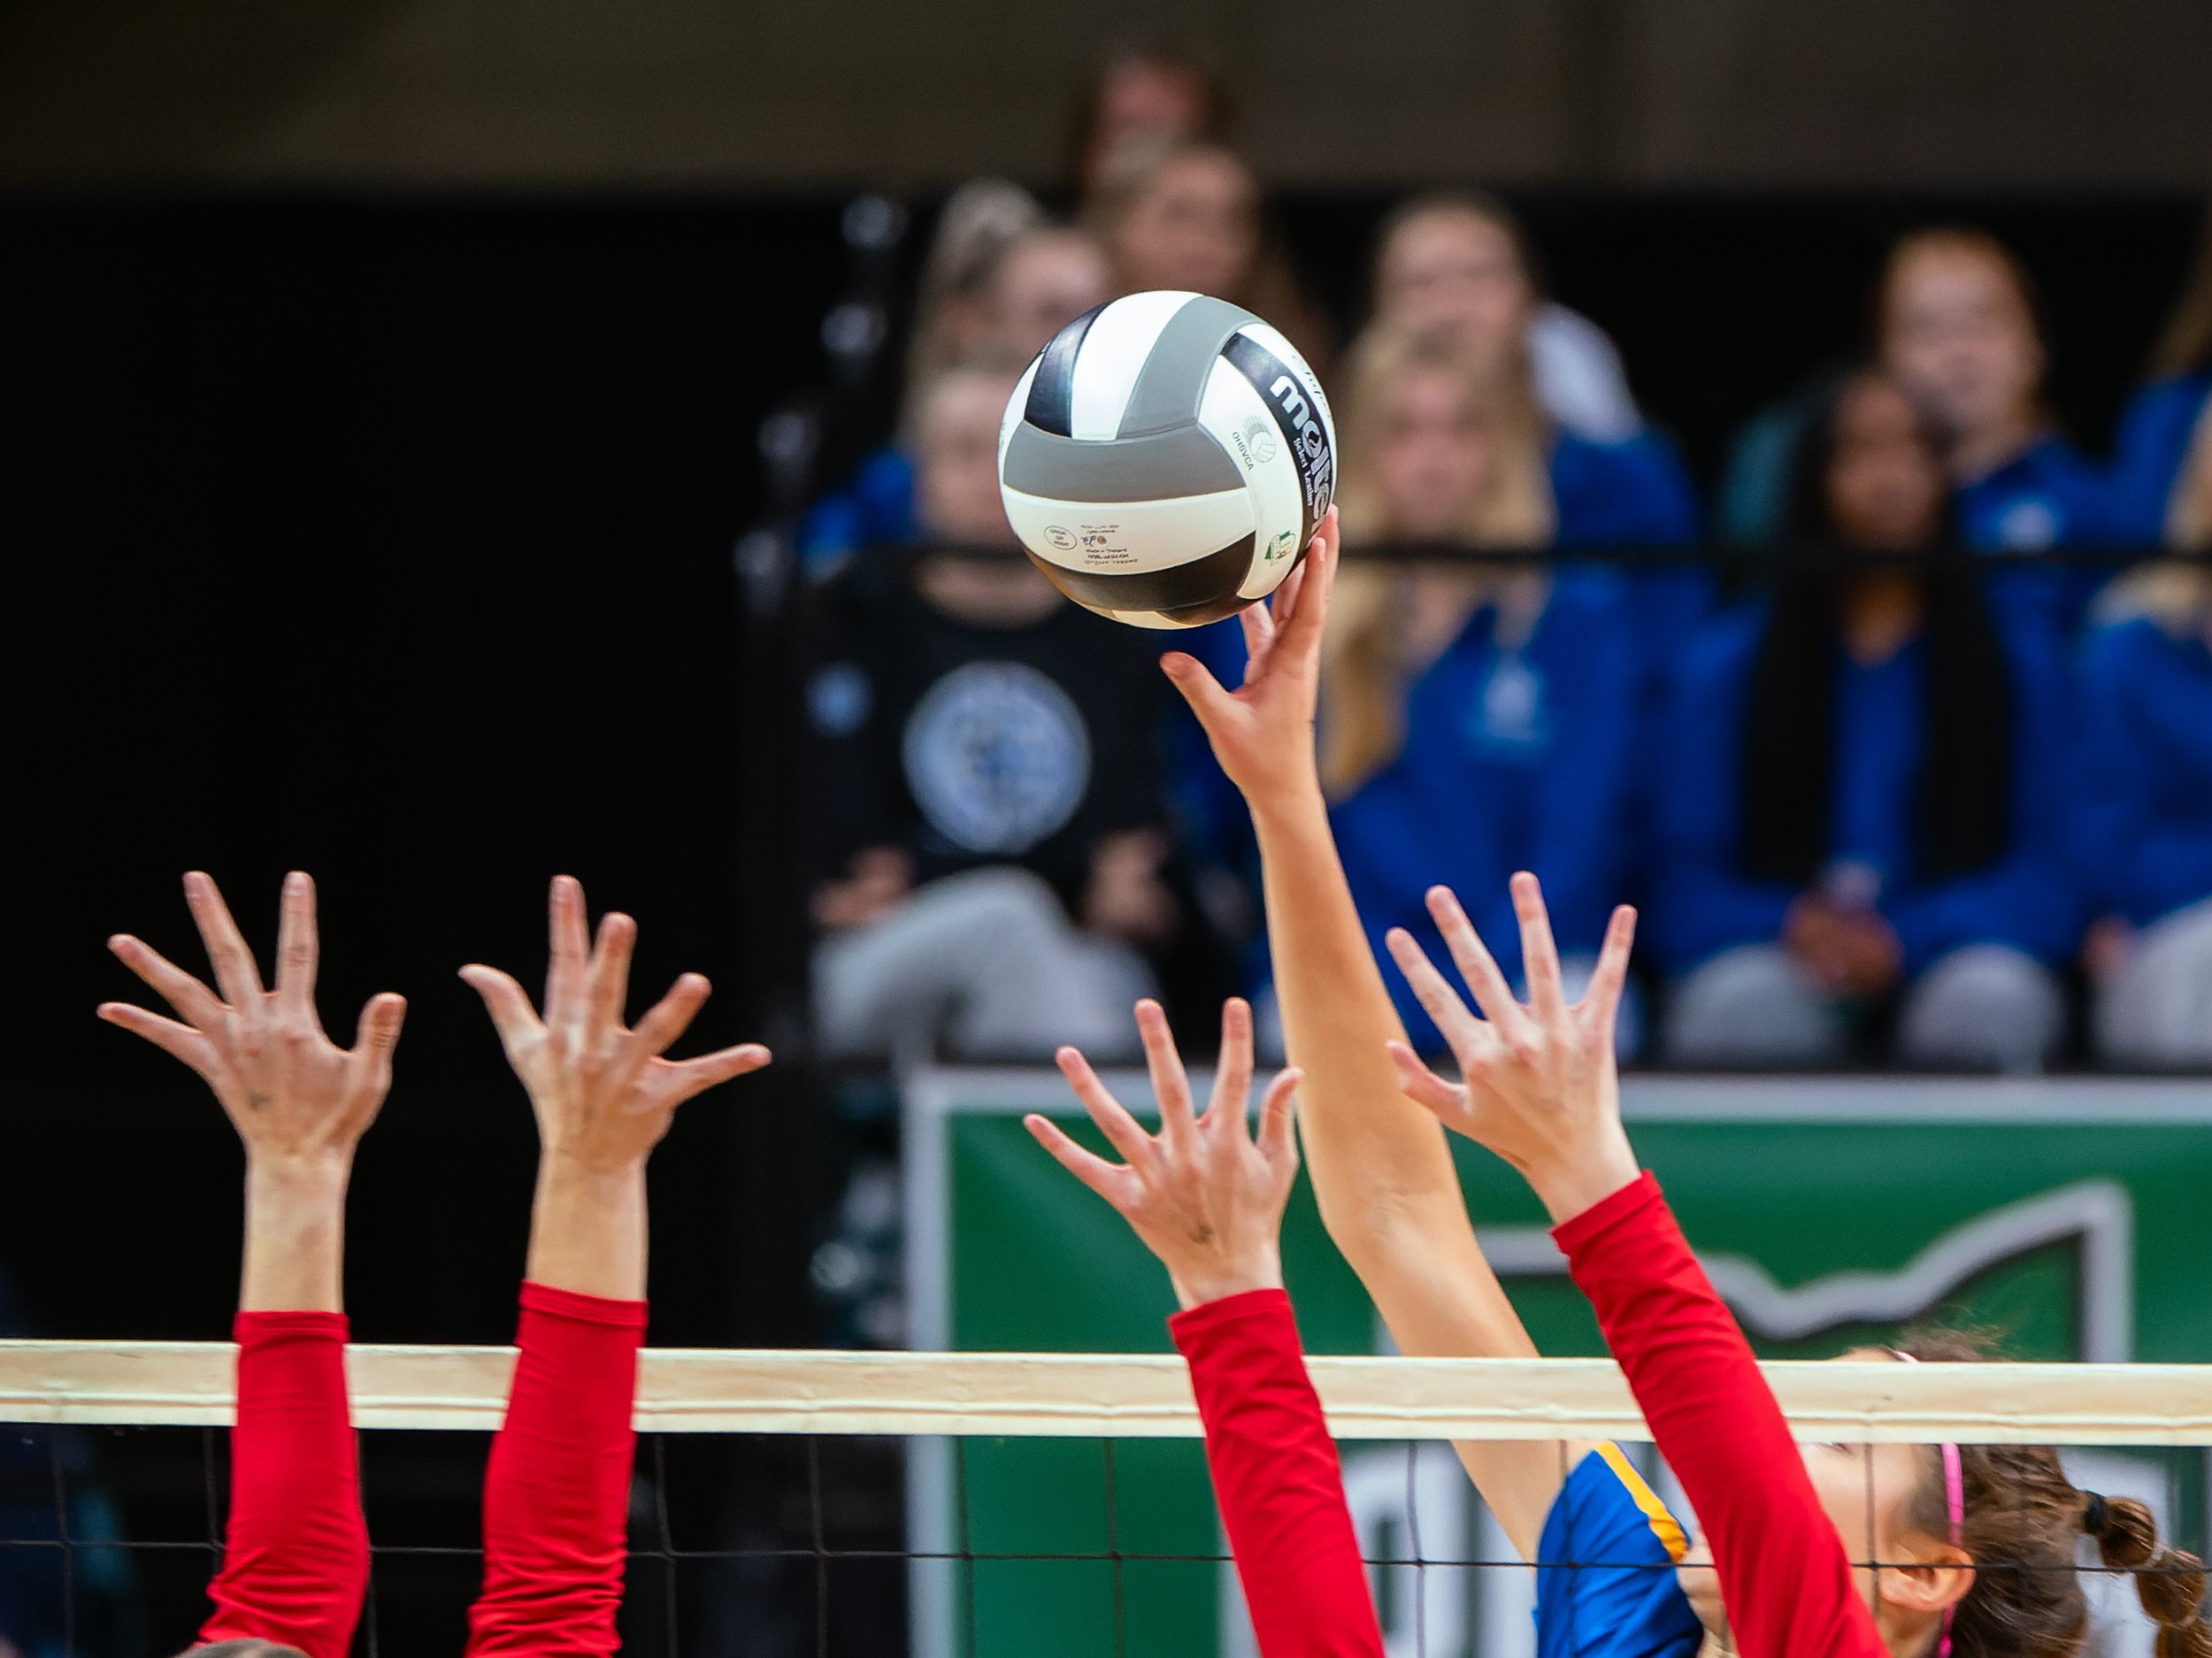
{"x":1203,"y":590}
{"x":1052,"y":394}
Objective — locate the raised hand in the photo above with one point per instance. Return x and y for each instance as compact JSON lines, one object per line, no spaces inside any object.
{"x":1202,"y":1193}
{"x":1540,"y":1088}
{"x":298,"y":1101}
{"x":291,"y":1093}
{"x":601,"y":1091}
{"x":1262,"y":733}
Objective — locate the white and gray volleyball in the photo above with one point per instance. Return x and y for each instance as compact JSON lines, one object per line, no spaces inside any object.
{"x":1166,"y":459}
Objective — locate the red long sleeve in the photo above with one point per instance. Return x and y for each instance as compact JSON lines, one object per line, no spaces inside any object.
{"x":557,"y":1495}
{"x":1276,"y":1479}
{"x":1784,"y":1575}
{"x":295,"y":1559}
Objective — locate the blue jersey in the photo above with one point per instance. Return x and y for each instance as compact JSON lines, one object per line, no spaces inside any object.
{"x":2155,"y":432}
{"x":872,"y":507}
{"x":2046,"y":496}
{"x":1605,"y":1582}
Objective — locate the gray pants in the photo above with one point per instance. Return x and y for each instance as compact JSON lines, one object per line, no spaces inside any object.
{"x":985,"y":966}
{"x":1983,"y":1006}
{"x":2157,"y":1010}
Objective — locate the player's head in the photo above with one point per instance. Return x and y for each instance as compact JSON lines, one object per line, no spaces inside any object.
{"x":1869,"y":472}
{"x":1047,"y":278}
{"x":1986,"y":1534}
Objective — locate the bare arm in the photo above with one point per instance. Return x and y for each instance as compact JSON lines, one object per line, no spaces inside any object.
{"x":297,"y":1557}
{"x":1381,"y":1167}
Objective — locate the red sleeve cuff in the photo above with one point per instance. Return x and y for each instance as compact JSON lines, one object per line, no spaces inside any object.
{"x":251,"y":1329}
{"x":1195,"y":1322}
{"x":590,"y":1309}
{"x":1575,"y":1232}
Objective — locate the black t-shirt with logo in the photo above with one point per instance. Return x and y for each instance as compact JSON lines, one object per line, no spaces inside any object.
{"x":968,"y":744}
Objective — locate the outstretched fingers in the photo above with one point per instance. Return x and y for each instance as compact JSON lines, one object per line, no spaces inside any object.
{"x":1233,"y":1071}
{"x":1601,"y":1002}
{"x":298,"y":946}
{"x":1122,"y":1132}
{"x":694,"y":1077}
{"x":607,"y":976}
{"x":507,"y":1002}
{"x":373,"y":1040}
{"x":1278,"y":1110}
{"x":1199,"y":688}
{"x":226,"y":951}
{"x":180,"y":989}
{"x":181,"y":1041}
{"x":1170,"y":1086}
{"x":1105,"y":1178}
{"x":1425,"y":1088}
{"x":1304,"y":611}
{"x":568,"y":950}
{"x":1476,"y":965}
{"x":1539,"y":952}
{"x":1461,"y":1029}
{"x":669,"y":1017}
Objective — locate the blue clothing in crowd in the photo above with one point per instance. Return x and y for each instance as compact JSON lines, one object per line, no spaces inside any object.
{"x":2143,"y":819}
{"x":1512,"y":760}
{"x":2155,"y":435}
{"x":2046,"y":496}
{"x":872,"y":507}
{"x":1703,"y":905}
{"x":1635,"y":494}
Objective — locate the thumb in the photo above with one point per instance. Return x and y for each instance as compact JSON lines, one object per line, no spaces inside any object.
{"x":1200,"y":689}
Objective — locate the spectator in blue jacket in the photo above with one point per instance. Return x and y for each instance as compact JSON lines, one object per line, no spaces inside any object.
{"x":1458,"y":263}
{"x":1477,"y":717}
{"x":2144,"y":801}
{"x":1861,"y":804}
{"x":1959,"y":334}
{"x":2167,"y":416}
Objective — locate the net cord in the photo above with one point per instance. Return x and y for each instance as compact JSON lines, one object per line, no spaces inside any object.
{"x":1129,"y":1395}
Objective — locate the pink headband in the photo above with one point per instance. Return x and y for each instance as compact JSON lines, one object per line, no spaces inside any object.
{"x":1954,"y":1503}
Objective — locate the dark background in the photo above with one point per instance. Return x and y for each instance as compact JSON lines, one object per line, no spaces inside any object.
{"x":392,"y":537}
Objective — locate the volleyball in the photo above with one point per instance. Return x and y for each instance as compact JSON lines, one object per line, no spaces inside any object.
{"x":1166,"y":459}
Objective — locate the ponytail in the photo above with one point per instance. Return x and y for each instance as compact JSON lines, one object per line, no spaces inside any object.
{"x":2169,"y":1583}
{"x":2023,"y":1521}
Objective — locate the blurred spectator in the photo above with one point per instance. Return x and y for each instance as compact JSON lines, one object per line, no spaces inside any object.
{"x":1151,"y":91}
{"x":988,"y":785}
{"x":1455,"y":261}
{"x":1000,"y":280}
{"x":1047,"y":278}
{"x":1959,"y":334}
{"x":1179,"y":214}
{"x":1862,"y":801}
{"x":1476,"y":718}
{"x":2145,"y":803}
{"x":2167,"y":416}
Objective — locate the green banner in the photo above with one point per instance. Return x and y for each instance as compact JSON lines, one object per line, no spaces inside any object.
{"x":2072,"y":1220}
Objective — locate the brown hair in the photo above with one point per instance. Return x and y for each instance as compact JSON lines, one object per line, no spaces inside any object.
{"x":1961,"y":240}
{"x":2023,"y":1518}
{"x":2186,"y":348}
{"x":1267,"y":288}
{"x":1478,"y":206}
{"x":1217,"y":107}
{"x":1365,"y":663}
{"x":244,"y":1649}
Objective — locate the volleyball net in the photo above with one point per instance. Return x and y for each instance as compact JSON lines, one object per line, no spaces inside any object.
{"x":966,"y":1505}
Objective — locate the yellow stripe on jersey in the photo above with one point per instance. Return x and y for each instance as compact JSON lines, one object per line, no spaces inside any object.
{"x":1664,"y":1525}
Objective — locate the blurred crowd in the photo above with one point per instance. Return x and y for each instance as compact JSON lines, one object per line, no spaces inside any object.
{"x":1881,"y":798}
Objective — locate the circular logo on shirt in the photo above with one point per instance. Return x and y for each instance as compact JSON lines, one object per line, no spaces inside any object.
{"x":2028,"y":525}
{"x":997,"y":757}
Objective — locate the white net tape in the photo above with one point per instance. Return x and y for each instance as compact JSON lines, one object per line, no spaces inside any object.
{"x":1131,"y":1395}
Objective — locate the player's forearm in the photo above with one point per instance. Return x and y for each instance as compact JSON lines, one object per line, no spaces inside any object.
{"x":587,"y":1229}
{"x":1373,"y":1152}
{"x":295,"y":1231}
